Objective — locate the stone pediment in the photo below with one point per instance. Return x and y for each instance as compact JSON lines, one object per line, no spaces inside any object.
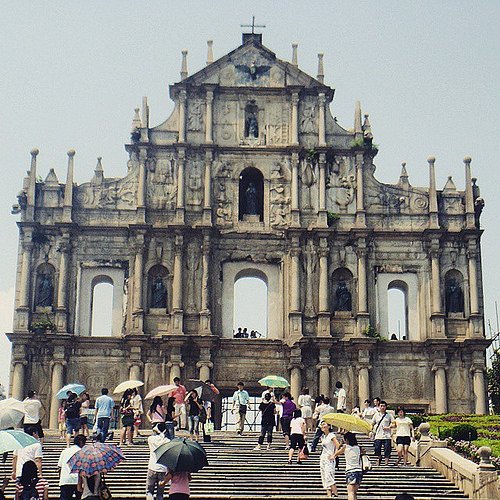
{"x":252,"y":65}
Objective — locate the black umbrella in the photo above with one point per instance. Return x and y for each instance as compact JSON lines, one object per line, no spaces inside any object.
{"x":205,"y":392}
{"x":182,"y":455}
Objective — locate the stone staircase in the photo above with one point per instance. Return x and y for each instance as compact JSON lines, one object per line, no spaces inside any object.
{"x":236,"y":471}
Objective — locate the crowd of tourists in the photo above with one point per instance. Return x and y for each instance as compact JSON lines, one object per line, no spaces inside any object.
{"x":183,"y":409}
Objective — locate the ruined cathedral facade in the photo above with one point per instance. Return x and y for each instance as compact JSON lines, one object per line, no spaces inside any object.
{"x":251,"y":176}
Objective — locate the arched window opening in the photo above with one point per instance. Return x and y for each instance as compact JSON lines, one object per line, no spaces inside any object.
{"x":397,"y":299}
{"x":341,"y":290}
{"x":45,"y":285}
{"x":251,"y":120}
{"x":454,"y":292}
{"x":250,"y":306}
{"x":157,"y":289}
{"x":251,"y":195}
{"x":102,"y":307}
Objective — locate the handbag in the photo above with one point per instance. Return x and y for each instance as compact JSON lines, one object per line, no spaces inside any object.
{"x":304,"y":453}
{"x":104,"y":492}
{"x":366,"y":463}
{"x":209,"y":427}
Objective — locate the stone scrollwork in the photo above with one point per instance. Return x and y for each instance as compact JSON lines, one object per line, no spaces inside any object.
{"x":280,"y":197}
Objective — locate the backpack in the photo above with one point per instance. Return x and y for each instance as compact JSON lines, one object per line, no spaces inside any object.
{"x":29,"y":493}
{"x":72,"y":409}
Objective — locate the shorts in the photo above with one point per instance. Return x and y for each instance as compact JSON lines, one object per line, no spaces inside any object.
{"x":297,"y":441}
{"x":128,"y":420}
{"x":72,"y":425}
{"x":354,"y":477}
{"x":84,"y":420}
{"x":285,"y":425}
{"x":404,"y":440}
{"x":377,"y":446}
{"x":37,"y":427}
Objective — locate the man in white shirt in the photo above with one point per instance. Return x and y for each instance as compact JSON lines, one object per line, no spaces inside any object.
{"x":32,"y":452}
{"x":341,"y":398}
{"x":270,"y":391}
{"x":156,"y":471}
{"x":68,"y":481}
{"x":381,"y":430}
{"x":32,"y":410}
{"x":322,"y":408}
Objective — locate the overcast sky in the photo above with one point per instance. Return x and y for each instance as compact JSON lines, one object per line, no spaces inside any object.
{"x":72,"y":73}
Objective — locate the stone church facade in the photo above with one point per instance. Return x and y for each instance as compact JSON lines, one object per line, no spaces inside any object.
{"x":252,"y":176}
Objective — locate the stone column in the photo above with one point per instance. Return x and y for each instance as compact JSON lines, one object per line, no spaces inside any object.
{"x":435,"y":278}
{"x":182,"y":116}
{"x":295,"y":190}
{"x":440,"y":390}
{"x":62,"y":284}
{"x":360,"y":204}
{"x":56,"y":385}
{"x":324,"y":310}
{"x":177,"y":286}
{"x":204,"y":367}
{"x":138,"y":311}
{"x":324,"y":379}
{"x":363,"y":383}
{"x":294,"y":278}
{"x":295,"y":381}
{"x":134,"y":372}
{"x":141,"y":186}
{"x":209,"y":118}
{"x":481,"y":407}
{"x":362,"y":292}
{"x":207,"y":192}
{"x":433,"y":206}
{"x":18,"y":380}
{"x":472,"y":263}
{"x":180,"y":185}
{"x":295,"y":119}
{"x":175,"y":370}
{"x":24,"y":282}
{"x":205,"y":284}
{"x":321,"y":119}
{"x":322,"y":217}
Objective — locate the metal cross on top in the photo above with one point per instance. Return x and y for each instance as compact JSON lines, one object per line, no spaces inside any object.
{"x":253,"y":25}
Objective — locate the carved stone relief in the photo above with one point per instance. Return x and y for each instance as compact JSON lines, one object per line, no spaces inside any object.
{"x":308,"y":119}
{"x":224,"y":210}
{"x":192,"y":267}
{"x":195,"y":182}
{"x":162,"y":185}
{"x":308,"y":177}
{"x":277,"y":126}
{"x":280,"y":196}
{"x":341,"y":184}
{"x":195,"y":116}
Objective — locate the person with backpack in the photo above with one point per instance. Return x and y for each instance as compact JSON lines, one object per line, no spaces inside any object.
{"x":267,"y":421}
{"x":29,"y":485}
{"x":72,"y":412}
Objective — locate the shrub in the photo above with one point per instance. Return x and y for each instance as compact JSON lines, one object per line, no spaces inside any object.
{"x":464,"y":432}
{"x":445,"y":432}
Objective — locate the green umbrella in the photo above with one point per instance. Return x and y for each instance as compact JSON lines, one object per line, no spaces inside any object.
{"x":14,"y":440}
{"x":182,"y":455}
{"x":274,"y":381}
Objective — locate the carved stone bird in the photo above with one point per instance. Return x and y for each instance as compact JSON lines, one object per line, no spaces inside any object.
{"x":253,"y":70}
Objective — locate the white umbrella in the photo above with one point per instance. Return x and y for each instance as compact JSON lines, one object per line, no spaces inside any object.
{"x":128,"y":384}
{"x":12,"y":403}
{"x":161,"y":391}
{"x":11,"y":413}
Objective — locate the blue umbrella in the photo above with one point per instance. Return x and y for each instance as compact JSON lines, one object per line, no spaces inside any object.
{"x":76,"y":388}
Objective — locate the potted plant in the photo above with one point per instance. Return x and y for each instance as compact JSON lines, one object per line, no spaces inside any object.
{"x":43,"y":325}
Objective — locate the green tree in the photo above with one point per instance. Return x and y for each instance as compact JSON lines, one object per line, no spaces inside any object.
{"x":494,"y":382}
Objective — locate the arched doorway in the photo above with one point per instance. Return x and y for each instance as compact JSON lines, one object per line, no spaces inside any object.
{"x":397,"y":297}
{"x":102,"y":307}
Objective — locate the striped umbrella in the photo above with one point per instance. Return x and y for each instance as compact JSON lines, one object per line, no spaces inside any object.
{"x":97,"y":457}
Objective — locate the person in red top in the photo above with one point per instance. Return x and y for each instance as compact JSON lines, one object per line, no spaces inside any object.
{"x":180,"y":408}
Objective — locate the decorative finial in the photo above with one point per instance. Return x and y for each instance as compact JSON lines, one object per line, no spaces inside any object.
{"x":431,"y":159}
{"x":34,"y":152}
{"x":71,"y":153}
{"x":184,"y":70}
{"x":321,"y":70}
{"x":467,"y":159}
{"x":295,"y":60}
{"x":210,"y":52}
{"x":404,"y":173}
{"x":136,"y":122}
{"x":367,"y":128}
{"x":358,"y":130}
{"x":450,"y":185}
{"x":98,"y":167}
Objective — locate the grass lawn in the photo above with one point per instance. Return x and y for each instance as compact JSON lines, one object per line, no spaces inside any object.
{"x":488,"y":428}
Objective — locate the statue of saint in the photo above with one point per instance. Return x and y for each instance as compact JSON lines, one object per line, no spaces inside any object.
{"x":158,"y":294}
{"x":252,"y":125}
{"x":454,"y":297}
{"x":343,"y":297}
{"x":251,"y":203}
{"x":45,"y":295}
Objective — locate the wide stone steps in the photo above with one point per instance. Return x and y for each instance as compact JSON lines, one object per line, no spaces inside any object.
{"x":236,"y":471}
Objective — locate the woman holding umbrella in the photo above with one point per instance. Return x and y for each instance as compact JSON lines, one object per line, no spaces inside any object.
{"x":127,"y":412}
{"x":327,"y":459}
